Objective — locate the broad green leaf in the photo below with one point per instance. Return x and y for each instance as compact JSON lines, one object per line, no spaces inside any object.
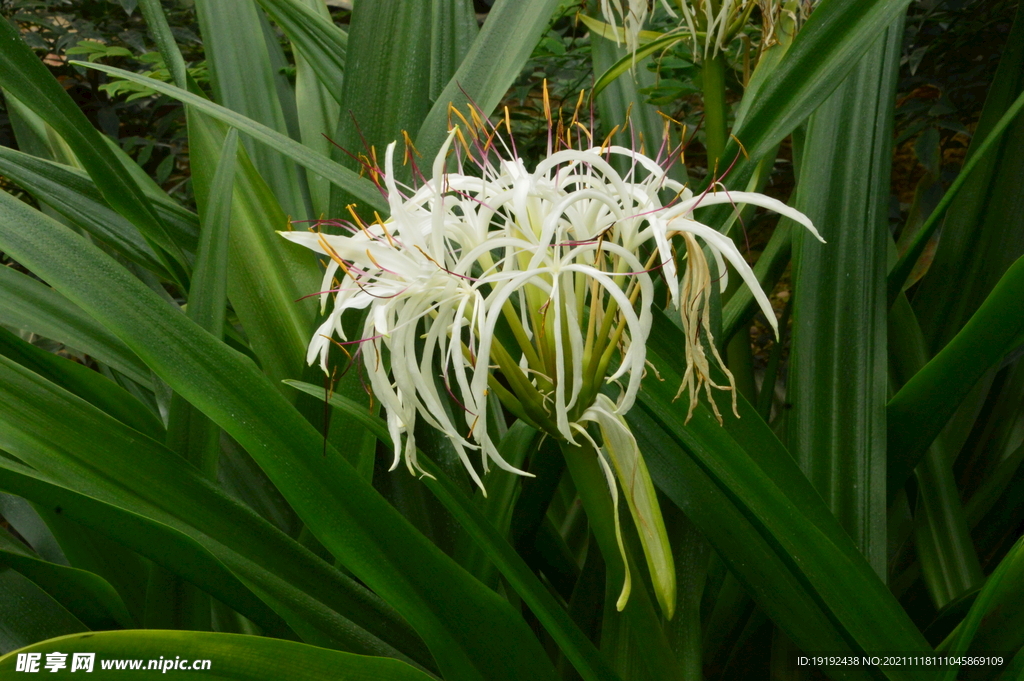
{"x":317,"y":102}
{"x":836,"y":428}
{"x":267,"y":276}
{"x":488,"y":537}
{"x":243,"y":80}
{"x":983,"y":233}
{"x":389,"y":46}
{"x":746,"y":493}
{"x":88,"y":550}
{"x":165,"y":546}
{"x":189,"y":432}
{"x":492,"y":64}
{"x":181,"y":223}
{"x":75,"y":197}
{"x":84,"y":382}
{"x":26,"y":519}
{"x":28,"y":79}
{"x":79,"y":446}
{"x":30,"y":614}
{"x":35,"y":137}
{"x":319,"y":42}
{"x":32,"y":306}
{"x":225,"y":656}
{"x":471,"y":631}
{"x":923,"y":406}
{"x":995,"y":622}
{"x":74,"y":194}
{"x":453,"y":29}
{"x":89,"y":597}
{"x":828,"y":46}
{"x":945,"y":550}
{"x":358,"y":186}
{"x":502,"y":493}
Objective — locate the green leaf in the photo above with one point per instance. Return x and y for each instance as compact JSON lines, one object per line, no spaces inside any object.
{"x":82,"y":448}
{"x":744,"y":490}
{"x":828,"y":46}
{"x":983,"y":233}
{"x":226,"y":656}
{"x":995,"y":622}
{"x":156,"y":20}
{"x":164,"y":545}
{"x":86,"y":204}
{"x":243,"y":80}
{"x":632,"y":60}
{"x":27,"y":520}
{"x":32,"y":306}
{"x":84,"y":382}
{"x":902,"y":269}
{"x":86,"y":549}
{"x":390,"y":47}
{"x":30,"y":614}
{"x":190,"y":433}
{"x":945,"y":549}
{"x":89,"y":597}
{"x":453,"y":29}
{"x":492,"y":64}
{"x":267,"y":276}
{"x":923,"y":406}
{"x":75,"y":197}
{"x":320,"y":43}
{"x":317,"y":91}
{"x":28,"y":79}
{"x":358,"y":186}
{"x":585,"y":658}
{"x":470,"y":630}
{"x":836,"y":428}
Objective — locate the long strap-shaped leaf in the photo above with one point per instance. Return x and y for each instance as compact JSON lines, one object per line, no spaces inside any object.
{"x":82,"y":448}
{"x":75,"y":197}
{"x":503,"y":45}
{"x":244,"y":79}
{"x":222,"y":656}
{"x":358,"y":186}
{"x":87,"y":595}
{"x":471,"y":631}
{"x":389,"y":46}
{"x":30,"y":305}
{"x":836,"y":425}
{"x":555,"y":619}
{"x":322,"y":43}
{"x":827,"y":48}
{"x":746,"y":464}
{"x":28,"y":79}
{"x":164,"y":545}
{"x":983,"y":232}
{"x":925,"y":403}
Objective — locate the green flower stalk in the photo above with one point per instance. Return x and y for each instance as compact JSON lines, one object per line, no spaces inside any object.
{"x":491,"y":280}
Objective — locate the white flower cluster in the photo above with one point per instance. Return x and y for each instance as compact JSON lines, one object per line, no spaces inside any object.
{"x":562,"y":259}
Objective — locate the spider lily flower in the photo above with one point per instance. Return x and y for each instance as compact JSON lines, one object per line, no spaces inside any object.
{"x":711,"y":25}
{"x":534,"y":287}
